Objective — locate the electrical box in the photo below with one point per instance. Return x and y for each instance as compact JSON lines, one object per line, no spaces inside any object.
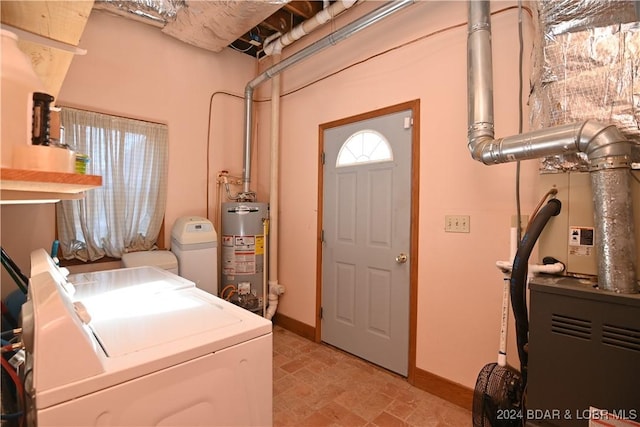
{"x":571,"y":236}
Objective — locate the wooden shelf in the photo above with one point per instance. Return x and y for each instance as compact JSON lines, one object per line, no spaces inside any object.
{"x":31,"y":185}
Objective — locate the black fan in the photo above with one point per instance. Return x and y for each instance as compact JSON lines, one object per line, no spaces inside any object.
{"x":497,"y":397}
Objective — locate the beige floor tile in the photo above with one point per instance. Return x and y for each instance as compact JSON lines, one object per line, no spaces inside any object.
{"x":315,"y":385}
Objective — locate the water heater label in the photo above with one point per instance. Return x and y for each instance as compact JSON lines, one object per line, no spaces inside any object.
{"x":581,"y":241}
{"x":239,"y":254}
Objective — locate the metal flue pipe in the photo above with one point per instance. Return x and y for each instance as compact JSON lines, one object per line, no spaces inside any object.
{"x":607,"y":149}
{"x":365,"y":21}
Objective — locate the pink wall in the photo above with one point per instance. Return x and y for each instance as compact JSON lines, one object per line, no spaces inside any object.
{"x":24,"y":228}
{"x":459,"y":290}
{"x":134,"y":70}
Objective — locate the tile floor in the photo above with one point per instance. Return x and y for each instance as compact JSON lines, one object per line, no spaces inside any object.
{"x":316,"y":385}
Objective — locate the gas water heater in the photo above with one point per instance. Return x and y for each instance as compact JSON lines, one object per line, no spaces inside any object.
{"x":243,"y":246}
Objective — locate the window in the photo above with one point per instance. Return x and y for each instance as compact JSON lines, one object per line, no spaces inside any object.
{"x":366,"y":146}
{"x":124,"y":214}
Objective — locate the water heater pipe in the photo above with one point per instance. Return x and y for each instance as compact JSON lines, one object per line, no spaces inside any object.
{"x":299,"y":31}
{"x":275,"y":289}
{"x":337,"y":36}
{"x":607,"y":149}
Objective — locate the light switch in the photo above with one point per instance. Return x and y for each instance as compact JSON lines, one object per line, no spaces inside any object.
{"x":457,"y":223}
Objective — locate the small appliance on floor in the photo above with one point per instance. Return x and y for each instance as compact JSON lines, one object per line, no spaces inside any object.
{"x":141,"y":347}
{"x":194,"y":242}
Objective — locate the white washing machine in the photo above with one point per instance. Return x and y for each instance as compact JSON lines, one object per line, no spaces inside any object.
{"x":194,"y":241}
{"x":141,"y":347}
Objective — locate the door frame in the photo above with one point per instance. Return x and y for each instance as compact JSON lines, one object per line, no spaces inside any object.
{"x":414,"y":106}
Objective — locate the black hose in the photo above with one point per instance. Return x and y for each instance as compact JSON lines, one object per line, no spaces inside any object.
{"x":14,"y":271}
{"x":518,"y":281}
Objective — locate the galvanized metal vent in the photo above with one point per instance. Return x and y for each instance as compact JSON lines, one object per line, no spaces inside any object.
{"x":621,"y":336}
{"x":571,"y":326}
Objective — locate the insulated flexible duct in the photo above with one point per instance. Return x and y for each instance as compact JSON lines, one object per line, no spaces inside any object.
{"x":518,"y":282}
{"x":606,"y":147}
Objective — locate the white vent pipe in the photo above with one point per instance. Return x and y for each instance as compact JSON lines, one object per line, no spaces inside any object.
{"x":607,"y":149}
{"x":299,"y":31}
{"x":275,"y":289}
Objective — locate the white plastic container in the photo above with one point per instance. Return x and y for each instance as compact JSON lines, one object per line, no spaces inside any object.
{"x":19,"y":81}
{"x":194,"y":241}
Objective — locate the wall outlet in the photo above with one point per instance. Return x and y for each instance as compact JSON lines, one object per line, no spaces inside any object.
{"x":457,"y":223}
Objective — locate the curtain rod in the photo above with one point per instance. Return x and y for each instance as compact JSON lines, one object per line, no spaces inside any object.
{"x":107,"y":114}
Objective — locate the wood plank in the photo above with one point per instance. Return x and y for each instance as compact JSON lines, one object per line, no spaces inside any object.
{"x":18,"y":197}
{"x":51,"y":65}
{"x":444,"y":388}
{"x":44,"y":181}
{"x":281,"y":21}
{"x":59,"y":20}
{"x":305,"y":9}
{"x":63,"y":21}
{"x":295,"y":326}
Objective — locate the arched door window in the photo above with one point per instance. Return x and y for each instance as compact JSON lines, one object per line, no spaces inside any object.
{"x":366,"y":146}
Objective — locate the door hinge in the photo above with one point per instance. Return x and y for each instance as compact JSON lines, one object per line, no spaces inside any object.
{"x":322,"y":236}
{"x":321,"y":312}
{"x":322,"y":157}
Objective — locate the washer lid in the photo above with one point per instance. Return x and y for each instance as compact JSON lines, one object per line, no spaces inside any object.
{"x":145,"y":280}
{"x":126,"y":324}
{"x":132,"y":309}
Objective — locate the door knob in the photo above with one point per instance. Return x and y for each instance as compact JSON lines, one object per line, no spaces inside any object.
{"x":401,"y":259}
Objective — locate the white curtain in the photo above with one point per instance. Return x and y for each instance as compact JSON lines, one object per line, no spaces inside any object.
{"x":124,"y":214}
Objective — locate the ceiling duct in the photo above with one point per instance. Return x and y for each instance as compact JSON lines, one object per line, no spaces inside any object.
{"x":210,"y":25}
{"x":607,"y":149}
{"x":154,"y":12}
{"x":586,"y":65}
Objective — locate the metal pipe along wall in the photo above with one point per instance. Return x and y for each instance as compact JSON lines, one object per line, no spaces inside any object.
{"x":606,"y":147}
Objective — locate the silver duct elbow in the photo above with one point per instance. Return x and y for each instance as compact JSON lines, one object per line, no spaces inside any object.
{"x":608,"y":151}
{"x":603,"y":141}
{"x":480,"y":81}
{"x":604,"y":144}
{"x":531,"y":145}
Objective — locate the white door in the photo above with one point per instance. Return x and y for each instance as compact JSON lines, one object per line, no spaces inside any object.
{"x":366,"y":239}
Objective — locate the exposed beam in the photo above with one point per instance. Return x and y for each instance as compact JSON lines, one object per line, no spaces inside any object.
{"x":305,"y":9}
{"x":281,"y":21}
